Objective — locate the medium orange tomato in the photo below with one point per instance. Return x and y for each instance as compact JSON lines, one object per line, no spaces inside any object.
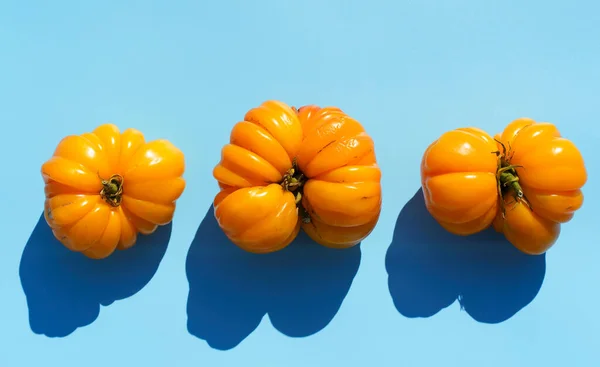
{"x":543,"y":176}
{"x":524,"y":182}
{"x":286,"y":169}
{"x":104,"y":187}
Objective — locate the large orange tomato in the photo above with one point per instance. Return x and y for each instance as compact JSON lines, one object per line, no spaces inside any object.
{"x":103,"y":188}
{"x":285,"y":169}
{"x":542,"y":174}
{"x":525,"y":181}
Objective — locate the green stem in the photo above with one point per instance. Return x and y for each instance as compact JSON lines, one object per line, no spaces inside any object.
{"x":293,"y":181}
{"x":508,"y":180}
{"x":112,"y":190}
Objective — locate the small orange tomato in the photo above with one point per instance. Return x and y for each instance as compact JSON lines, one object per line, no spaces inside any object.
{"x":104,"y":187}
{"x":286,"y":169}
{"x":542,"y":174}
{"x":458,"y":177}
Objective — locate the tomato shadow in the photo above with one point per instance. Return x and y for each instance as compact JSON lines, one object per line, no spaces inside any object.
{"x":301,"y":287}
{"x":429,"y":268}
{"x":64,"y":289}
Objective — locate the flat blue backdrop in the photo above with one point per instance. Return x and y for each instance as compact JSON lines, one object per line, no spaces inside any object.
{"x":410,"y":295}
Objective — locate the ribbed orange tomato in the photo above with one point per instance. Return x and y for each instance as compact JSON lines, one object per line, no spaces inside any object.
{"x":458,"y":177}
{"x":525,"y":181}
{"x":543,"y":179}
{"x":103,"y":188}
{"x":285,"y":169}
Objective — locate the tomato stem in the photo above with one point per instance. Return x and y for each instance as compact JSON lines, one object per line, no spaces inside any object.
{"x":293,"y":181}
{"x":112,"y":189}
{"x":507,"y":177}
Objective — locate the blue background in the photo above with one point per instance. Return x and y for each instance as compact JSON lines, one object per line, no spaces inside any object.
{"x":411,"y":295}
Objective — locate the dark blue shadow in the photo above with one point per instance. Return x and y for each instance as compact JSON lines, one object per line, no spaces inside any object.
{"x":65,"y":289}
{"x":429,"y":268}
{"x":301,"y":287}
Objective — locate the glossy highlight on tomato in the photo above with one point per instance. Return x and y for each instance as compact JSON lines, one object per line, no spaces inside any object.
{"x":525,"y":182}
{"x":103,"y":188}
{"x":287,"y":169}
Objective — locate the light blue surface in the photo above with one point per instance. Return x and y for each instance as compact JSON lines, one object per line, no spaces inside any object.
{"x":187,"y":71}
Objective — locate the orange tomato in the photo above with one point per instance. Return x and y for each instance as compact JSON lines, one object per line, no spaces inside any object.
{"x":525,"y":182}
{"x":545,"y":189}
{"x":286,"y":169}
{"x":103,"y":188}
{"x":458,"y":177}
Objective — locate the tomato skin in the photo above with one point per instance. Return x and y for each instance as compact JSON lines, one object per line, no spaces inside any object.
{"x":343,"y":194}
{"x":80,"y":217}
{"x":551,"y":177}
{"x":258,"y":219}
{"x":458,"y":177}
{"x":529,"y":232}
{"x":340,"y":195}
